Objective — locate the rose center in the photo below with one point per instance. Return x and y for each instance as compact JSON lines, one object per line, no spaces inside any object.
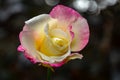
{"x":60,"y":43}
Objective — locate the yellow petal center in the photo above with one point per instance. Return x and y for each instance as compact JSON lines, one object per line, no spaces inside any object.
{"x":58,"y":42}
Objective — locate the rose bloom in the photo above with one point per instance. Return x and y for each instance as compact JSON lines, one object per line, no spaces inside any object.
{"x":53,"y":39}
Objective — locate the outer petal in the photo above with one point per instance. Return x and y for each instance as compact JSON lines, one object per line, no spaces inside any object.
{"x":65,"y":15}
{"x":70,"y":57}
{"x":81,"y":37}
{"x":36,"y":26}
{"x":27,"y":45}
{"x":36,"y":23}
{"x":27,"y":41}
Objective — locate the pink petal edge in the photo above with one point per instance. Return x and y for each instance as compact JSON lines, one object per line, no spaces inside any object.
{"x":33,"y":60}
{"x":21,"y":49}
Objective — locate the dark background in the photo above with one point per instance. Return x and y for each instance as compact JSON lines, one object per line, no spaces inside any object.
{"x":101,"y":56}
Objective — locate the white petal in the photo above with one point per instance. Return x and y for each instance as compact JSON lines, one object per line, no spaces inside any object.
{"x":27,"y":43}
{"x":38,"y":19}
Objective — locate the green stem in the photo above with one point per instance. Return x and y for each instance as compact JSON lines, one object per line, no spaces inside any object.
{"x":48,"y":74}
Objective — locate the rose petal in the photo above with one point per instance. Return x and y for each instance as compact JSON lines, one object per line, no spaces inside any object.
{"x":59,"y":33}
{"x":36,"y":25}
{"x":38,"y":21}
{"x":74,"y":56}
{"x":81,"y":37}
{"x":53,"y":59}
{"x":70,"y":57}
{"x":65,"y":15}
{"x":28,"y":45}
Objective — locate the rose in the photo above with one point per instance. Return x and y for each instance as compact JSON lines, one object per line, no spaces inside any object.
{"x":51,"y":39}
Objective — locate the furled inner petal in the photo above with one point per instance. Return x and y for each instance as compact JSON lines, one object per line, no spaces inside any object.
{"x":60,"y":39}
{"x":53,"y":45}
{"x":81,"y":37}
{"x":52,"y":49}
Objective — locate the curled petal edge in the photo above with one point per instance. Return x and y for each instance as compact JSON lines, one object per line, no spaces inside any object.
{"x":70,"y":57}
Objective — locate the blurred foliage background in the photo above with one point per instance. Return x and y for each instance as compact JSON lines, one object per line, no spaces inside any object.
{"x":101,"y":56}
